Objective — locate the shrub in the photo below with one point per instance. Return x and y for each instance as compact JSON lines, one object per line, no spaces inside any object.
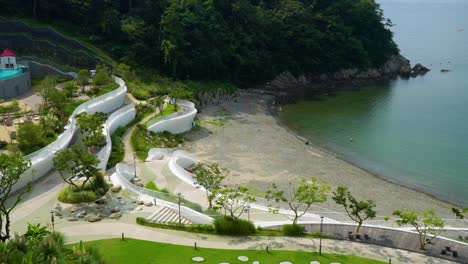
{"x":194,"y":228}
{"x":294,"y":230}
{"x":91,"y":192}
{"x":233,"y":226}
{"x":71,"y":195}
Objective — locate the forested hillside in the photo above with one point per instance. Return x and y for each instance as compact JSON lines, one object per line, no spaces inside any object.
{"x":239,"y":40}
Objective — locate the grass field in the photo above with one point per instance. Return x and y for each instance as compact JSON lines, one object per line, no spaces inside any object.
{"x":134,"y":251}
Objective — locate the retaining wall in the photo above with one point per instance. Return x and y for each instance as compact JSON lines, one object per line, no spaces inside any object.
{"x":123,"y":175}
{"x":389,"y":237}
{"x":121,"y":117}
{"x":42,"y":160}
{"x":176,"y":123}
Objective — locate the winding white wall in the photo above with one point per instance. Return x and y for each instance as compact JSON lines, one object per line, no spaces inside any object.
{"x":176,"y":123}
{"x":122,"y":176}
{"x":42,"y":160}
{"x":121,"y":117}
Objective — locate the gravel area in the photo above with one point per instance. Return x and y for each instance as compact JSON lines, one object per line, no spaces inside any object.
{"x":258,"y":151}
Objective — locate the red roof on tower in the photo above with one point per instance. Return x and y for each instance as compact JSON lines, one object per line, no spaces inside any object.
{"x":7,"y":53}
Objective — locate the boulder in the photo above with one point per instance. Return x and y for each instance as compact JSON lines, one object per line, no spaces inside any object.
{"x":115,"y":210}
{"x":149,"y":203}
{"x":58,"y":207}
{"x":72,"y":219}
{"x":115,"y":215}
{"x":73,"y":210}
{"x":418,"y":69}
{"x":116,"y":188}
{"x":93,"y":218}
{"x":140,"y":202}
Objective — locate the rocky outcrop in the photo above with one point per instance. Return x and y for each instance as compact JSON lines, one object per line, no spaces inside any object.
{"x":418,"y":69}
{"x":286,"y":83}
{"x":116,"y":188}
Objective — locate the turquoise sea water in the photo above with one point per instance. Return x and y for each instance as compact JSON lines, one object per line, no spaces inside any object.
{"x":414,"y":132}
{"x":9,"y":73}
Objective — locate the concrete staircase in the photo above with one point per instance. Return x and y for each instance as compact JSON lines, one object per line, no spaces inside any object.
{"x":165,"y":215}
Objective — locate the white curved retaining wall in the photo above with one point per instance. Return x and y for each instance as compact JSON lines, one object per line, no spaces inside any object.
{"x":177,"y":164}
{"x":123,"y":175}
{"x":121,"y":117}
{"x":42,"y":160}
{"x":176,"y":123}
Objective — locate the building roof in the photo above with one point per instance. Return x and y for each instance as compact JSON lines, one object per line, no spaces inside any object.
{"x":7,"y":53}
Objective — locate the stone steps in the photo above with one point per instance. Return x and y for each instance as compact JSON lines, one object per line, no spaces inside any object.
{"x":165,"y":215}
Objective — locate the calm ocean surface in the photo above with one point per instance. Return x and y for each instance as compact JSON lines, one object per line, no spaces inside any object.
{"x":414,"y":132}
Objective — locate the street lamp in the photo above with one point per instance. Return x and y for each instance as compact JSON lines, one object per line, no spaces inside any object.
{"x":134,"y":164}
{"x":52,"y":220}
{"x":247,"y":210}
{"x":179,"y":196}
{"x":321,"y":230}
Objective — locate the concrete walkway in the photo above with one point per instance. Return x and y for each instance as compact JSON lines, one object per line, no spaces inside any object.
{"x":87,"y":232}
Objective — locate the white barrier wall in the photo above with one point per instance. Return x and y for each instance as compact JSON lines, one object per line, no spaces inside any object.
{"x":122,"y":176}
{"x":121,"y":117}
{"x":176,"y":123}
{"x":42,"y":160}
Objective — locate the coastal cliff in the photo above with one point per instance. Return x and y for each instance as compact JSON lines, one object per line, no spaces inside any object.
{"x":286,"y":85}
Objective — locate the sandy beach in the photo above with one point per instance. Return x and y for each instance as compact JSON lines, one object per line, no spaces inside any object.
{"x":248,"y":140}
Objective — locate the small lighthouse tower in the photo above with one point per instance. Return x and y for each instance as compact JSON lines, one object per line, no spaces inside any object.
{"x":7,"y":59}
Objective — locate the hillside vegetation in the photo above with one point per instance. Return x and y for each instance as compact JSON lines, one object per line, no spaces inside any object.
{"x":243,"y":41}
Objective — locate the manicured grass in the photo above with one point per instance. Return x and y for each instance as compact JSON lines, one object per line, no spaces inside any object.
{"x":152,"y":186}
{"x":167,"y":111}
{"x":140,"y":251}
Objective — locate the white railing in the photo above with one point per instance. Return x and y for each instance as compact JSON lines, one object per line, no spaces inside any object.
{"x":42,"y":160}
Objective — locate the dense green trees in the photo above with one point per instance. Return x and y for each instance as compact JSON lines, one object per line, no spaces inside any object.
{"x":241,"y":40}
{"x":11,"y":169}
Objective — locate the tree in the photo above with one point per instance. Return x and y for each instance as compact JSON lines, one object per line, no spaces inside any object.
{"x":358,"y":211}
{"x":460,"y":213}
{"x":11,"y":169}
{"x":83,"y":79}
{"x":91,"y":127}
{"x":158,"y":103}
{"x":301,"y":196}
{"x":74,"y":163}
{"x":178,"y":93}
{"x":233,"y":201}
{"x":31,"y":137}
{"x":210,"y":177}
{"x":57,"y":100}
{"x":69,"y":88}
{"x":102,"y":76}
{"x":429,"y":224}
{"x":46,"y":88}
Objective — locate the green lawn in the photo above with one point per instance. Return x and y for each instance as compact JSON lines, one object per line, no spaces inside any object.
{"x":167,"y":111}
{"x":145,"y":252}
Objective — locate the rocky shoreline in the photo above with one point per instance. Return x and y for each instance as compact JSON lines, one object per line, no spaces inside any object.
{"x":288,"y":87}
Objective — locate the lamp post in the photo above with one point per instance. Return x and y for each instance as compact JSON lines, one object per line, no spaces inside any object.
{"x":247,"y":210}
{"x":179,"y":196}
{"x":321,"y":229}
{"x":52,"y":220}
{"x":134,"y":164}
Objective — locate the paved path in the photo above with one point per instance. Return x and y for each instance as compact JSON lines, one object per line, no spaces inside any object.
{"x":95,"y":231}
{"x":126,"y":139}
